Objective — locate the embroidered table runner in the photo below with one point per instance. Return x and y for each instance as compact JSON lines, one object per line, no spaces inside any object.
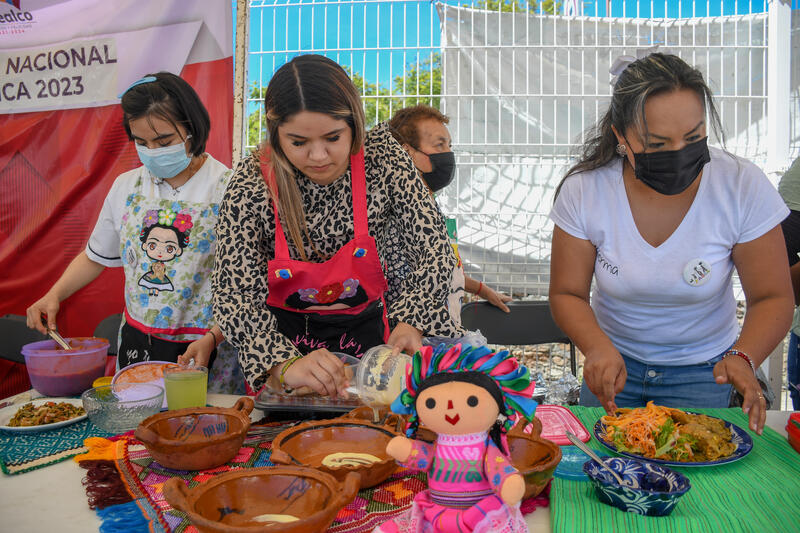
{"x":760,"y":492}
{"x":144,"y":478}
{"x":23,"y":452}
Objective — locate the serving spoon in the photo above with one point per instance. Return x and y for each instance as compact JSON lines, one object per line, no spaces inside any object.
{"x":588,"y":451}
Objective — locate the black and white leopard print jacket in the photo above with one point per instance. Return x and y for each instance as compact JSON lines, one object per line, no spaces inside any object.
{"x":396,"y":196}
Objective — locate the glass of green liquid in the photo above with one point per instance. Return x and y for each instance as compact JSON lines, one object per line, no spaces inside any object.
{"x":186,"y":386}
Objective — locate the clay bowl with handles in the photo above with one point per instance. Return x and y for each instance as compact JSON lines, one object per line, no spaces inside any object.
{"x":196,"y":438}
{"x":309,"y":443}
{"x":535,"y":458}
{"x":243,"y":501}
{"x":385,"y":417}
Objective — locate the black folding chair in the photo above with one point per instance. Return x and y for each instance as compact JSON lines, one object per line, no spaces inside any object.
{"x":108,"y":328}
{"x":530,"y":322}
{"x":15,"y":334}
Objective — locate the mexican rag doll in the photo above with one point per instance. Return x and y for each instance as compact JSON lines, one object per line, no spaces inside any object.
{"x":470,"y":397}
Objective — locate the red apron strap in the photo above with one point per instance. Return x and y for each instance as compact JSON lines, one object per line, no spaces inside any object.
{"x":281,"y":248}
{"x":358,"y":180}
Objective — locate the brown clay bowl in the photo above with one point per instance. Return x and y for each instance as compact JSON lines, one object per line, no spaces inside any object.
{"x":309,"y":443}
{"x":535,"y":458}
{"x":196,"y":438}
{"x":385,"y":417}
{"x":230,"y":502}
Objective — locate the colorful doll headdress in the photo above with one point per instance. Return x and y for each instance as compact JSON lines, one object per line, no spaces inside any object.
{"x":513,"y":379}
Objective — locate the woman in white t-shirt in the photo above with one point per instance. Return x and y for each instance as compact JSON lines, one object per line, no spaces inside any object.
{"x":157,"y":222}
{"x":660,"y":221}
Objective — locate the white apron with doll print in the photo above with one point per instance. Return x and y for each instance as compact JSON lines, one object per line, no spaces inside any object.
{"x":167,"y":249}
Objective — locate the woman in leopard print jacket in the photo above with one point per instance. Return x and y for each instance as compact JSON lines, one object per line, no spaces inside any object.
{"x":288,"y":299}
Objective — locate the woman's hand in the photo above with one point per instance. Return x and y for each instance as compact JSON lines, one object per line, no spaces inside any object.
{"x":48,"y":304}
{"x":319,"y":370}
{"x":605,"y":374}
{"x":405,"y":338}
{"x":736,"y":371}
{"x":495,"y":298}
{"x":199,"y":350}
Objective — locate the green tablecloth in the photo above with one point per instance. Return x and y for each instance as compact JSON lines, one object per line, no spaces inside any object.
{"x":758,"y":493}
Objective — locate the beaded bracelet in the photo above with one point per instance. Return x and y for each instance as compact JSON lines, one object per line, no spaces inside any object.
{"x":743,"y":356}
{"x":216,"y":342}
{"x":289,"y":363}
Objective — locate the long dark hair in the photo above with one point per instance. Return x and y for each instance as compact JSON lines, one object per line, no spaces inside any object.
{"x":307,"y":83}
{"x":654,"y":74}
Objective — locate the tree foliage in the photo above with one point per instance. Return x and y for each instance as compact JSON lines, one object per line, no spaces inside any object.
{"x":421,"y":83}
{"x":550,"y":7}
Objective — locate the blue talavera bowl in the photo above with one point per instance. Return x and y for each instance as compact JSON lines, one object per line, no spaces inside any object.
{"x":650,"y":489}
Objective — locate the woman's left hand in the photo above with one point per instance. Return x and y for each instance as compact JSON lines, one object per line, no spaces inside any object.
{"x":736,"y":371}
{"x":199,"y":350}
{"x":405,"y":338}
{"x":497,"y":299}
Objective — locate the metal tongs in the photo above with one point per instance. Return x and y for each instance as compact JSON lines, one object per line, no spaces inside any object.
{"x":54,"y":334}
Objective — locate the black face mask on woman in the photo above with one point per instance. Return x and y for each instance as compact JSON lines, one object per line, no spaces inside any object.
{"x":444,"y":166}
{"x":672,"y":172}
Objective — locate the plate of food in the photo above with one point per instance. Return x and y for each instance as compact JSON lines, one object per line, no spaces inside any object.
{"x":41,"y":414}
{"x":672,"y":437}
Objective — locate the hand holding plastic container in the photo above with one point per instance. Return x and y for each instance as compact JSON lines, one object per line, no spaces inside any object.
{"x":380,"y":377}
{"x":186,"y":386}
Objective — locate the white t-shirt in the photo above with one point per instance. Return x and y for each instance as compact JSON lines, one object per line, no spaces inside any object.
{"x":204,"y":187}
{"x":674,"y":304}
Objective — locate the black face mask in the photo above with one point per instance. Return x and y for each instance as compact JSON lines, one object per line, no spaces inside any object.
{"x":674,"y":171}
{"x":444,"y":166}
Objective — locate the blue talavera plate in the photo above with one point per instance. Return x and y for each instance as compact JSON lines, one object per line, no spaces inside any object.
{"x":742,"y":440}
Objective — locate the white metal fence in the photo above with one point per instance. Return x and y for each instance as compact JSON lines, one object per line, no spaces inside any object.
{"x":521,"y":85}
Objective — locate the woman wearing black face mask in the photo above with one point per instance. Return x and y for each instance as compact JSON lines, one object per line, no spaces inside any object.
{"x":660,"y":220}
{"x":422,"y":132}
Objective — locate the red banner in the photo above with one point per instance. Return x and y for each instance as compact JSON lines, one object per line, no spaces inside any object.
{"x":56,"y":167}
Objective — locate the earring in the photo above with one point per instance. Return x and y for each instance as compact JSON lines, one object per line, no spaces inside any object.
{"x":622,"y":150}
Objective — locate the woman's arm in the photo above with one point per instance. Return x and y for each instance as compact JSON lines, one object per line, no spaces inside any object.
{"x":245,"y":239}
{"x":423,"y":302}
{"x":571,"y":270}
{"x":473,"y":286}
{"x":80,"y":272}
{"x":764,"y":272}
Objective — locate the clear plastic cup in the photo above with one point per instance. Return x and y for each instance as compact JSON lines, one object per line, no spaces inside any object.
{"x":186,"y":386}
{"x":380,"y":377}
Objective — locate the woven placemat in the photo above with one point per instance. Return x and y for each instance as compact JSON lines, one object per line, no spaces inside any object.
{"x":23,"y":452}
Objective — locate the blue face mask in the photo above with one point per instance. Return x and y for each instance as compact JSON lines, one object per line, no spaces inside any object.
{"x":165,"y":162}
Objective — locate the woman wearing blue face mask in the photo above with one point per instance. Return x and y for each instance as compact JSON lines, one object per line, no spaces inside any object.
{"x":157,"y":222}
{"x":660,"y":220}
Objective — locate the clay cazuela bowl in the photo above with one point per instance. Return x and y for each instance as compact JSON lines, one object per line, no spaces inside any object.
{"x":535,"y":458}
{"x":308,"y":444}
{"x":196,"y":438}
{"x":255,"y":499}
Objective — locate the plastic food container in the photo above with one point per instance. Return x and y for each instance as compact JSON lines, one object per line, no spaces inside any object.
{"x":54,"y":371}
{"x":380,"y":378}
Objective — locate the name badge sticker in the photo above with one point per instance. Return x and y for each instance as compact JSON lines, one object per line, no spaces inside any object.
{"x":696,"y":272}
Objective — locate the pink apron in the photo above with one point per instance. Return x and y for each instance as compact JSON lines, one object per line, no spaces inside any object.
{"x":337,"y":304}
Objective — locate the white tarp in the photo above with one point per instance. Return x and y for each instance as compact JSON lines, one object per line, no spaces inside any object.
{"x":520,"y":89}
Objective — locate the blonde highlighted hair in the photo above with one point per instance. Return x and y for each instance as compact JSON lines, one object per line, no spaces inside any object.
{"x":306,"y":83}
